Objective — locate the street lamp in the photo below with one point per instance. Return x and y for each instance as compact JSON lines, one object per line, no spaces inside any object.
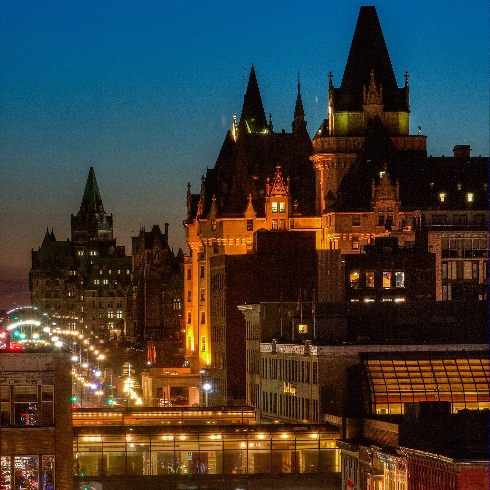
{"x":206,"y":387}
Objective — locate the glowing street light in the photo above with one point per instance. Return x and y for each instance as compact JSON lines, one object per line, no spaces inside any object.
{"x":206,"y":387}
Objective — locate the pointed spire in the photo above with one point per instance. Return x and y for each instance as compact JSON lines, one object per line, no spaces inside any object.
{"x":253,"y":114}
{"x":368,"y":52}
{"x":299,"y":112}
{"x":91,"y":201}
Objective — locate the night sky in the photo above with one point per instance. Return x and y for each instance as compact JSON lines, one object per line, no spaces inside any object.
{"x":144,"y":91}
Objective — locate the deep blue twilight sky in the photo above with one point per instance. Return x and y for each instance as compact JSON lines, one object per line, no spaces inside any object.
{"x":145,"y":90}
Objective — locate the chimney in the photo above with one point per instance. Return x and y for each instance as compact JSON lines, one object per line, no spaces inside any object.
{"x":462,"y":151}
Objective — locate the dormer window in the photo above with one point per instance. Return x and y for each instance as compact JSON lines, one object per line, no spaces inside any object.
{"x":469,"y":197}
{"x":442,"y":196}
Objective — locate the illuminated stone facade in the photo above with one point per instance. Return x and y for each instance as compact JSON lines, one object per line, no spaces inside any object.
{"x":362,"y":176}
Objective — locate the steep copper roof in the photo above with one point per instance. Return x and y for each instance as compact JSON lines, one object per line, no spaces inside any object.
{"x":368,"y":53}
{"x":91,"y":201}
{"x":244,"y":164}
{"x":253,"y":115}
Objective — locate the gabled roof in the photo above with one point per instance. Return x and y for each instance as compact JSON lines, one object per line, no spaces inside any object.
{"x":368,"y":52}
{"x":253,"y":115}
{"x":91,"y":201}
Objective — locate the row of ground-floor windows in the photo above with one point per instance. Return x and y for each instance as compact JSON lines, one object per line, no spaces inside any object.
{"x":27,"y":472}
{"x":233,"y":454}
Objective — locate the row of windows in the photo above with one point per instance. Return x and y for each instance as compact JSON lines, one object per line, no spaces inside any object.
{"x":110,"y":314}
{"x":218,"y":333}
{"x":464,"y":247}
{"x":201,"y":272}
{"x":27,"y":472}
{"x":287,"y":405}
{"x":469,"y":196}
{"x":31,"y":405}
{"x":104,"y":281}
{"x":218,"y":307}
{"x":278,"y":224}
{"x":217,"y":281}
{"x":290,"y":370}
{"x":187,"y":454}
{"x":460,"y":270}
{"x":388,"y":279}
{"x":457,"y":220}
{"x":278,"y":207}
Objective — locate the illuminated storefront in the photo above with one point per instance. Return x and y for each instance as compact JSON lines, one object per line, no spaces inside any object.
{"x":112,"y":451}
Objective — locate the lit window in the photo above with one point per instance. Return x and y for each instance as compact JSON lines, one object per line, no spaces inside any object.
{"x":355,"y":244}
{"x":274,"y":224}
{"x":110,"y":314}
{"x":282,"y":224}
{"x":302,"y":328}
{"x":469,"y":197}
{"x":382,"y":174}
{"x":203,"y":344}
{"x":442,"y":196}
{"x":105,"y":281}
{"x":354,"y":279}
{"x":282,"y":207}
{"x":370,"y":279}
{"x":213,"y":224}
{"x":400,"y":279}
{"x":274,"y":207}
{"x":119,"y":314}
{"x":386,"y":279}
{"x":177,"y":304}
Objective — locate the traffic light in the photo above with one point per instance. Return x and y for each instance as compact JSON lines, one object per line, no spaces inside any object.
{"x":73,"y":398}
{"x":110,"y":401}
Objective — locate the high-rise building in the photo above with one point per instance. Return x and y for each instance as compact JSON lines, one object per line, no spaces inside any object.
{"x":362,"y":176}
